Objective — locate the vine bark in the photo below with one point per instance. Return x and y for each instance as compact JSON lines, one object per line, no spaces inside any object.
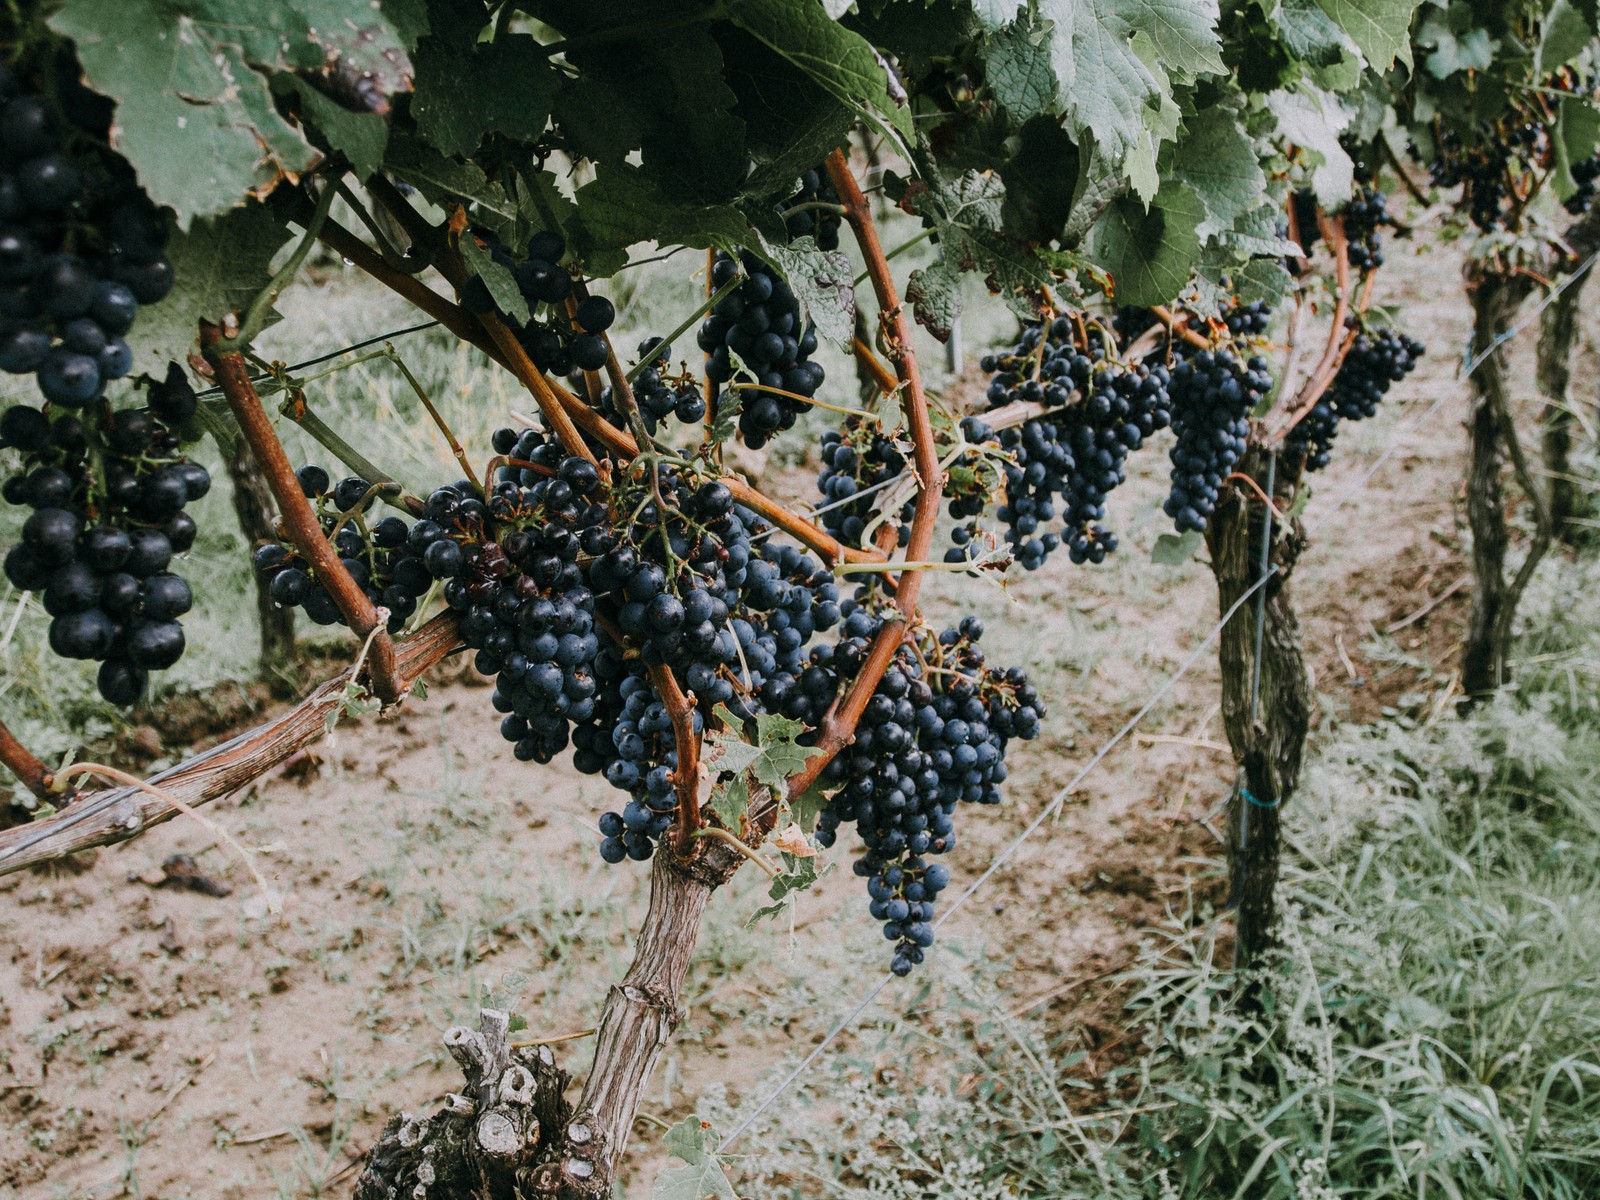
{"x":1267,"y":727}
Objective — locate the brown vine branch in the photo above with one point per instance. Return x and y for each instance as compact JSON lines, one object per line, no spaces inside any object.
{"x":106,"y":817}
{"x":881,"y":375}
{"x":533,"y":379}
{"x":839,"y":726}
{"x":304,"y":530}
{"x":686,"y":776}
{"x":32,"y":773}
{"x":1339,"y":340}
{"x":1179,"y":329}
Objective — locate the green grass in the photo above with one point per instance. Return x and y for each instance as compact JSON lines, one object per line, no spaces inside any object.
{"x":1431,"y":1029}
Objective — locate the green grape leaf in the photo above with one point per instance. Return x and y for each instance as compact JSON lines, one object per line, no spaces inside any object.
{"x":1115,"y":61}
{"x":1576,"y":137}
{"x":511,"y":88}
{"x":502,"y":284}
{"x":1457,"y":45}
{"x":995,"y":13}
{"x":445,"y":182}
{"x":618,"y":208}
{"x":1019,"y":71}
{"x":1378,"y":28}
{"x":1175,"y":549}
{"x":702,"y":1176}
{"x":1310,"y":34}
{"x":799,"y":875}
{"x":967,"y":213}
{"x":730,"y":800}
{"x":1150,"y":254}
{"x":768,"y":761}
{"x":805,"y":808}
{"x":824,"y":283}
{"x":934,"y":293}
{"x":1313,"y":120}
{"x":360,"y":137}
{"x":839,"y":60}
{"x":195,"y":115}
{"x":1217,"y":158}
{"x":1566,"y":32}
{"x":219,"y":264}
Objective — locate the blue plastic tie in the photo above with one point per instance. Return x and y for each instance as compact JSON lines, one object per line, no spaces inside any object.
{"x":1245,"y":792}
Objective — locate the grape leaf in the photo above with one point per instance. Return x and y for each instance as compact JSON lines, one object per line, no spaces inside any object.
{"x":1313,"y":119}
{"x":838,"y":59}
{"x":1218,"y":159}
{"x":219,"y":264}
{"x":799,"y":875}
{"x":194,"y":117}
{"x":502,"y":284}
{"x":1116,"y":59}
{"x":1019,"y":71}
{"x":824,"y":283}
{"x":1377,"y":27}
{"x":618,"y":208}
{"x":360,"y":137}
{"x":1565,"y":34}
{"x":693,"y":1142}
{"x":995,"y":13}
{"x":512,"y":86}
{"x":1175,"y":549}
{"x":445,"y":181}
{"x":1310,"y":34}
{"x":1150,"y":255}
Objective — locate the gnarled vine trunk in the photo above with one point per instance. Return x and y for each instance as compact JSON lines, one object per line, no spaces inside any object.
{"x":1266,"y":714}
{"x":1557,"y":332}
{"x":536,"y":1144}
{"x":1491,"y":438}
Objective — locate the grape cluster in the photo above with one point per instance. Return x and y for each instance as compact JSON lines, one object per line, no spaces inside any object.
{"x":858,"y":464}
{"x":1482,"y":166}
{"x":1363,"y":217}
{"x":548,"y":335}
{"x":660,"y":394}
{"x":684,"y":581}
{"x":1213,"y":393}
{"x":108,"y":495}
{"x":387,"y":558}
{"x":1377,"y":360}
{"x":760,"y":325}
{"x":1586,"y":177}
{"x":81,"y":246}
{"x":819,"y":223}
{"x":927,"y":741}
{"x":1100,"y":411}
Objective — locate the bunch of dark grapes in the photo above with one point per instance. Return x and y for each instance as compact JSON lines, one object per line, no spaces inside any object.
{"x":927,"y":741}
{"x":817,"y":222}
{"x":107,"y":495}
{"x":555,"y":341}
{"x":859,"y":463}
{"x":660,"y":394}
{"x":382,"y":556}
{"x":1100,"y":411}
{"x":1213,"y":393}
{"x":1377,"y":360}
{"x":760,"y":324}
{"x":683,"y":580}
{"x":1482,"y":168}
{"x":81,"y":246}
{"x":1363,"y":217}
{"x":1585,"y":175}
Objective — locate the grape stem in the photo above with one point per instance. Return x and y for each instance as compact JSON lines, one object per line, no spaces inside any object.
{"x":296,"y":409}
{"x":304,"y":529}
{"x":711,"y":301}
{"x":727,"y":839}
{"x":881,"y":375}
{"x":799,"y":399}
{"x":32,"y":773}
{"x":427,"y":403}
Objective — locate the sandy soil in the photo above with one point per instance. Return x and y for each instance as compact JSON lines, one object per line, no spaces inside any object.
{"x":156,"y":1040}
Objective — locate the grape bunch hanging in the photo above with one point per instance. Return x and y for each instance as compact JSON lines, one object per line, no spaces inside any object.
{"x":107,"y":490}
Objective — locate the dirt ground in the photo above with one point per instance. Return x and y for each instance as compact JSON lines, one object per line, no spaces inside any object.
{"x":163,"y":1034}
